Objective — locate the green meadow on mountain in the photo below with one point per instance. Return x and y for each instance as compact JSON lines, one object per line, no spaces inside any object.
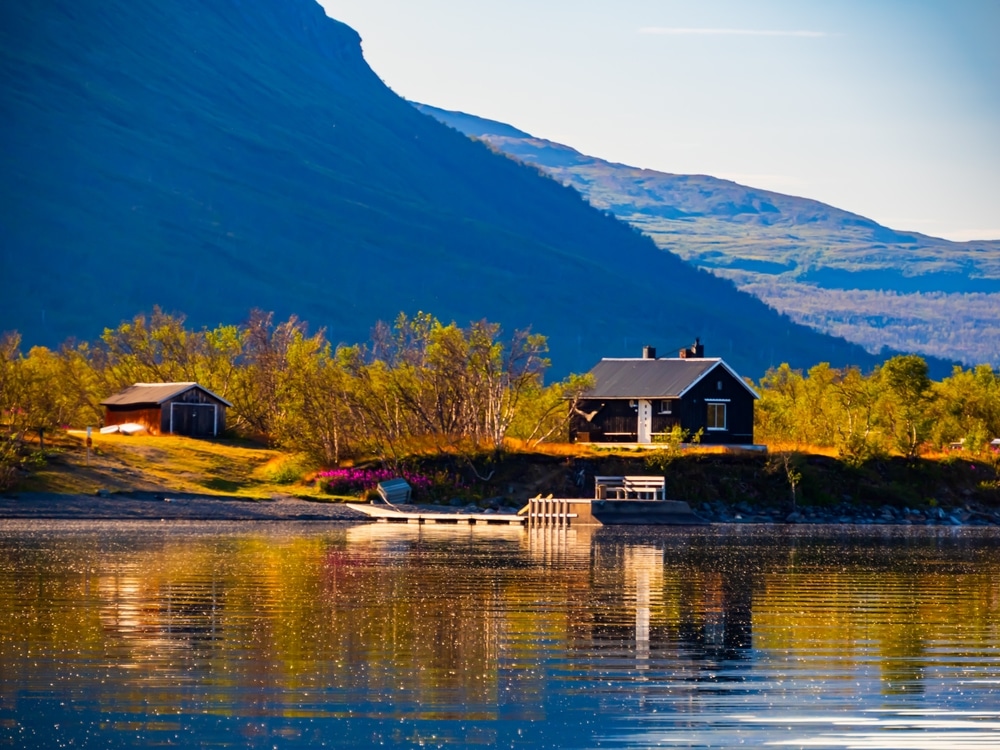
{"x":213,"y":156}
{"x":833,"y":270}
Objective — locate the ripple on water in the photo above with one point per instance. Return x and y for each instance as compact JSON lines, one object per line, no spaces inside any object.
{"x":139,"y":634}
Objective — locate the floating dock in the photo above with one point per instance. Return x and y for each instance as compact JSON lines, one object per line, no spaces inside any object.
{"x":391,"y":514}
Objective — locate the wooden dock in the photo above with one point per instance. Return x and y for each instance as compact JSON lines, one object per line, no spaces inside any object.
{"x":549,"y":513}
{"x":390,"y":514}
{"x":562,"y":512}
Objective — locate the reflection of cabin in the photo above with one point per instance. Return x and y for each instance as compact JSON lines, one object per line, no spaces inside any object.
{"x":637,"y":400}
{"x":168,"y":409}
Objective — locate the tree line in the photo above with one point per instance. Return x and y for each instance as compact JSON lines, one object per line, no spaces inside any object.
{"x":895,"y":409}
{"x":417,"y":384}
{"x":420,"y":384}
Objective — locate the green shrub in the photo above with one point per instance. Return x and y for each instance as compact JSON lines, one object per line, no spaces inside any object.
{"x":290,"y":470}
{"x":669,"y":447}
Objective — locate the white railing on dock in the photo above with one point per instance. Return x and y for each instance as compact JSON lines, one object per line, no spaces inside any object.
{"x":548,"y":511}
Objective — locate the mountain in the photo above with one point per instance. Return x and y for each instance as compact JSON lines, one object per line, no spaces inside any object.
{"x":834,"y":270}
{"x":211,"y":156}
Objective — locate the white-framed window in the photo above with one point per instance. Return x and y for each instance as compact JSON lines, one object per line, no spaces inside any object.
{"x":665,"y":407}
{"x":716,"y":416}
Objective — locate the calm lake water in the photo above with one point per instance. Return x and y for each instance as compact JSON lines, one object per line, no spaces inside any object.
{"x":292,"y":635}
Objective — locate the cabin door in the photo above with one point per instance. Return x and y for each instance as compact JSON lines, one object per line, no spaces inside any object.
{"x":645,"y":431}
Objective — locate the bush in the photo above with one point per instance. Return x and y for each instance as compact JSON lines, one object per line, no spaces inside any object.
{"x":15,"y":460}
{"x":437,"y":486}
{"x":10,"y":461}
{"x":359,"y":482}
{"x":670,"y":446}
{"x":287,"y":470}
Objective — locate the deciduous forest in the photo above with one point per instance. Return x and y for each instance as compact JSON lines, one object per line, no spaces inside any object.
{"x":420,"y":384}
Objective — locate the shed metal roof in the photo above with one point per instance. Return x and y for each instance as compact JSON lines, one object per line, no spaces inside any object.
{"x":653,"y":378}
{"x":154,"y":393}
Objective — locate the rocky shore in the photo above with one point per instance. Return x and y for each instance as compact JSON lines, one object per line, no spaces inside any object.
{"x":967,"y":515}
{"x":149,"y":506}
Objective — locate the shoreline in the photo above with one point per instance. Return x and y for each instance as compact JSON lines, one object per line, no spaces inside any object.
{"x":849,"y":515}
{"x":165,"y":506}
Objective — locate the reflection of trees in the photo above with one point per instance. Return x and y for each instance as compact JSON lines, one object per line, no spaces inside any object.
{"x":407,"y":622}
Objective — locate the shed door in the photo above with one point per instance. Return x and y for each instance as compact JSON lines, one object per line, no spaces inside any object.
{"x":645,"y":430}
{"x":192,"y":419}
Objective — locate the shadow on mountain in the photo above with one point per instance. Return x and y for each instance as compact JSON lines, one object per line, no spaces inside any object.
{"x":211,"y":156}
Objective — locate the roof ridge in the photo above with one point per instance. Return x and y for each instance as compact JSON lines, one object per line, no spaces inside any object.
{"x":172,"y":382}
{"x":661,"y":359}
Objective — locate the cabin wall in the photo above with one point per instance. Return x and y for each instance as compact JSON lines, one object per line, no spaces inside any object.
{"x":615,"y":422}
{"x":664,"y":423}
{"x":722,"y":387}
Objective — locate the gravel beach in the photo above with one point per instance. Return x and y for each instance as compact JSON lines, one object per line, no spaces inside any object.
{"x":167,"y":506}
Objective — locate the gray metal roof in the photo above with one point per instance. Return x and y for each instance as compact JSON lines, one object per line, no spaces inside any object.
{"x":652,"y":378}
{"x":154,"y":393}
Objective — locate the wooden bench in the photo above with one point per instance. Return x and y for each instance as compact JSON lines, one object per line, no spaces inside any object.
{"x":395,"y":491}
{"x":630,"y":488}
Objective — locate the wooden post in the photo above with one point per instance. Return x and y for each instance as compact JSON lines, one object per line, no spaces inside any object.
{"x":90,"y":440}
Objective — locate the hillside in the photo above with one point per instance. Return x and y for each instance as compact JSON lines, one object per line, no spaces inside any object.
{"x":211,"y":156}
{"x":828,"y":268}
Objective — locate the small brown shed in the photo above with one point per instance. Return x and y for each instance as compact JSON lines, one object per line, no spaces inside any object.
{"x":168,"y":409}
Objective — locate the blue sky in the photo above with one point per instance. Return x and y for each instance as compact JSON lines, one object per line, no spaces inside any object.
{"x":888,"y":108}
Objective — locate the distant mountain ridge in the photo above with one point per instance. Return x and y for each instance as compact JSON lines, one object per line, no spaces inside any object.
{"x":211,"y":156}
{"x":679,"y":196}
{"x":787,"y":249}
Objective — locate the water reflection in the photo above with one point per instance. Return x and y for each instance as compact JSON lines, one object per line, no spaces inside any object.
{"x":288,"y":635}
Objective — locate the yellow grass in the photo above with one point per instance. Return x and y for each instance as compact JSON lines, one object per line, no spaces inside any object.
{"x":162,"y":463}
{"x":814,"y":450}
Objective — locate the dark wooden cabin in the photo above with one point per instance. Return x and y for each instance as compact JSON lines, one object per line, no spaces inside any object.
{"x":168,"y":409}
{"x":636,"y":400}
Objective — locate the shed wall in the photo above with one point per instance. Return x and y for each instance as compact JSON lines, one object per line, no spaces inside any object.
{"x":194,"y":413}
{"x":147,"y":417}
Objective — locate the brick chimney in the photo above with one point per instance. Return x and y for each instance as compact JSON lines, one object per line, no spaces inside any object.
{"x":693,"y":352}
{"x":649,"y":352}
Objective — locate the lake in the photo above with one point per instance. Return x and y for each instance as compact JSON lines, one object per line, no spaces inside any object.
{"x":320,"y":635}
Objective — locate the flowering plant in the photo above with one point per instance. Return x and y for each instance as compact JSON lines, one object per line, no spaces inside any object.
{"x":437,"y":487}
{"x":359,"y":481}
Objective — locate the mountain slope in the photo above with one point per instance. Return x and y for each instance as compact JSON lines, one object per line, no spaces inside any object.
{"x":829,"y":268}
{"x":215,"y":155}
